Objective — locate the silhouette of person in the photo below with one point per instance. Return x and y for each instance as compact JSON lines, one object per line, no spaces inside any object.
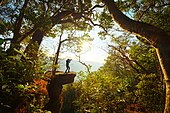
{"x":67,"y":65}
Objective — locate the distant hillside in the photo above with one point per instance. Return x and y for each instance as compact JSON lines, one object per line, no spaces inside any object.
{"x":76,"y":66}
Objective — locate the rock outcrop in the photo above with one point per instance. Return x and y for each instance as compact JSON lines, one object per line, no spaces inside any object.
{"x":54,"y":89}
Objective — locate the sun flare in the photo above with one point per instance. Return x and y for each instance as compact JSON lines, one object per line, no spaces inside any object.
{"x":86,"y":46}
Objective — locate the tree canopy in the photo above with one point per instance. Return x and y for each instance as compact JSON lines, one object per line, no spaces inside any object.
{"x":132,"y":77}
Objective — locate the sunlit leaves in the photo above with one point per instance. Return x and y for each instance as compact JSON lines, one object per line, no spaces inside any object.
{"x":148,"y":89}
{"x":100,"y":96}
{"x":147,"y":56}
{"x":117,"y":85}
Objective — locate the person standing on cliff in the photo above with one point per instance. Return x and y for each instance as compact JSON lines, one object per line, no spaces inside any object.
{"x":67,"y":65}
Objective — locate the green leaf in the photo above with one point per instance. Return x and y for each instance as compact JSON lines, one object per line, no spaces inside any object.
{"x":1,"y":41}
{"x":4,"y":86}
{"x":24,"y":55}
{"x":20,"y":86}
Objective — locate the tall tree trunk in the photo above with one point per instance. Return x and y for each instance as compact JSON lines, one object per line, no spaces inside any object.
{"x":15,"y":42}
{"x":55,"y":62}
{"x":163,"y":53}
{"x":156,"y":37}
{"x":32,"y":48}
{"x":56,"y":58}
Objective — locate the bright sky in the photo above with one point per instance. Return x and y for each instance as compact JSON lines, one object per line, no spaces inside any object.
{"x":96,"y":49}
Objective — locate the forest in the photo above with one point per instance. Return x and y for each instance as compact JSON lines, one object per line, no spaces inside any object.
{"x":135,"y":77}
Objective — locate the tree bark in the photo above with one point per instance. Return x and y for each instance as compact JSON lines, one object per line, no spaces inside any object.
{"x":156,"y":37}
{"x":32,"y":48}
{"x":55,"y":62}
{"x":56,"y":58}
{"x":15,"y":42}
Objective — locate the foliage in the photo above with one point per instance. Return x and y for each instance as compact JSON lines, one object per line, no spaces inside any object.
{"x":130,"y":78}
{"x":149,"y":89}
{"x":20,"y":90}
{"x":145,"y":55}
{"x":19,"y":22}
{"x":117,"y":87}
{"x":34,"y":96}
{"x":98,"y":97}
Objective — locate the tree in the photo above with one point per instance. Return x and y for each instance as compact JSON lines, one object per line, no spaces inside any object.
{"x":25,"y":19}
{"x":155,"y":36}
{"x":37,"y":19}
{"x":117,"y":86}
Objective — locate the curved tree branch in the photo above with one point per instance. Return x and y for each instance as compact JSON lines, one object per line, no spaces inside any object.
{"x":155,"y":36}
{"x":97,"y":6}
{"x":151,"y":33}
{"x":84,"y":64}
{"x":89,"y":19}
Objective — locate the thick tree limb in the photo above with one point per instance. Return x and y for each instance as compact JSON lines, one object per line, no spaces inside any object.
{"x":27,"y":34}
{"x":147,"y":31}
{"x":57,"y":18}
{"x":70,"y":21}
{"x":155,"y":36}
{"x":18,"y":22}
